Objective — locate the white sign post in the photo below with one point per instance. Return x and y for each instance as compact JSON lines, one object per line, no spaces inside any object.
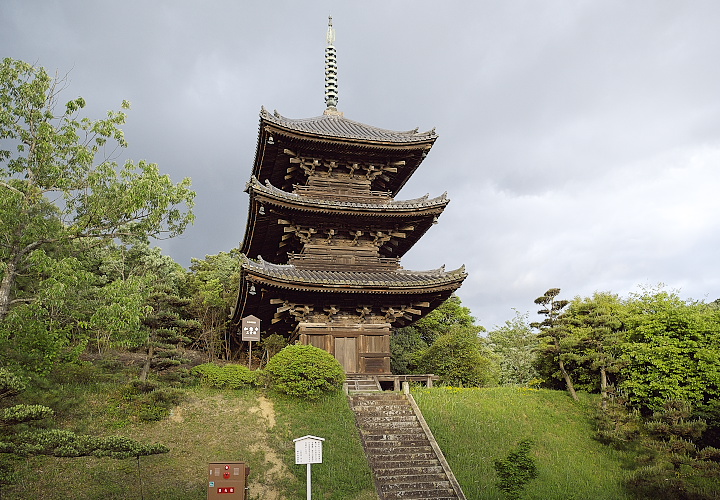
{"x":308,"y":450}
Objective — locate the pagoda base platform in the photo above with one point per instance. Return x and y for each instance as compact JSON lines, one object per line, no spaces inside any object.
{"x":370,"y":382}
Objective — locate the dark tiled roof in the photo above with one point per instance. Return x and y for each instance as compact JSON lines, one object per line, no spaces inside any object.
{"x":337,"y":126}
{"x":400,"y":205}
{"x":388,"y":279}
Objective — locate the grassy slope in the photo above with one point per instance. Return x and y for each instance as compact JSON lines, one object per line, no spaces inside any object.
{"x":209,"y":426}
{"x":476,"y":426}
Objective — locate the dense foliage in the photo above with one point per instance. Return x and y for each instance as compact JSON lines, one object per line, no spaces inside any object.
{"x":655,"y":359}
{"x":516,"y":470}
{"x":651,"y":347}
{"x":460,"y":358}
{"x":304,"y":371}
{"x":61,"y":194}
{"x":514,"y":346}
{"x":446,"y":343}
{"x":228,"y":376}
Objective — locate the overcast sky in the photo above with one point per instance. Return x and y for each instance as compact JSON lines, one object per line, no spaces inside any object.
{"x":579,"y":140}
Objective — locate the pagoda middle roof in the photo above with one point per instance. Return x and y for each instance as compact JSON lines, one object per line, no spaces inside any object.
{"x":424,"y":202}
{"x":335,"y":125}
{"x":331,"y":280}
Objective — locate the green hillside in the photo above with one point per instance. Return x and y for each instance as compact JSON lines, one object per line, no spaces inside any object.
{"x":473,"y":426}
{"x":476,"y":426}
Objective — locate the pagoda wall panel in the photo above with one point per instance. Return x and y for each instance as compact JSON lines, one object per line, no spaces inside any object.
{"x":360,"y":347}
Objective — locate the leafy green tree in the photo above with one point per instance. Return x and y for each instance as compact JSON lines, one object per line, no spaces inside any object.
{"x":60,"y":183}
{"x":597,"y":324}
{"x":515,"y":344}
{"x":407,"y":344}
{"x":450,"y":313}
{"x":37,"y":332}
{"x":459,"y":358}
{"x":168,"y":331}
{"x":557,"y":344}
{"x":674,"y":466}
{"x":212,"y":283}
{"x":672,"y":350}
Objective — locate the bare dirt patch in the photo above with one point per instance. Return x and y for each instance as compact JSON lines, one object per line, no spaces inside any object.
{"x":275,"y":470}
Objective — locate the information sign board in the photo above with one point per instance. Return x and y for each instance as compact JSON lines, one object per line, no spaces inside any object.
{"x":251,"y":329}
{"x":308,"y":450}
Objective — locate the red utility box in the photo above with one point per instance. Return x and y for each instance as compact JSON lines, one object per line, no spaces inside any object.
{"x":227,"y":480}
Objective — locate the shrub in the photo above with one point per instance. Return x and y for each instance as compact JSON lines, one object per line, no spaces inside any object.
{"x":515,"y":470}
{"x":137,"y":387}
{"x":304,"y":371}
{"x":225,"y":377}
{"x":177,"y":378}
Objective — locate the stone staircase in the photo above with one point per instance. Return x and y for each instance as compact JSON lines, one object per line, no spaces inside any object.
{"x":405,"y":459}
{"x":359,"y":383}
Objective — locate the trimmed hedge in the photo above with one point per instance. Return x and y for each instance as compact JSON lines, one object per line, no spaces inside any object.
{"x":226,"y":376}
{"x":304,"y":371}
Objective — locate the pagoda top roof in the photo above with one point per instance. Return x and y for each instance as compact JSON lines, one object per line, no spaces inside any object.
{"x":334,"y":125}
{"x":329,"y":281}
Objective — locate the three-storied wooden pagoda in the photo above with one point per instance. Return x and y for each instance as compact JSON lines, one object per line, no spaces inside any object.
{"x":325,"y":234}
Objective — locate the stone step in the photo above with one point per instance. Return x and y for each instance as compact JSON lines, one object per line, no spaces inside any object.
{"x":403,"y":457}
{"x":382,"y":397}
{"x":389,"y":412}
{"x":378,"y":403}
{"x":373,"y":446}
{"x":441,"y":494}
{"x":393,"y":412}
{"x":417,"y":485}
{"x":403,"y":426}
{"x":403,"y":470}
{"x":392,"y":449}
{"x":393,"y":434}
{"x":419,"y":463}
{"x":415,"y":478}
{"x":380,"y":419}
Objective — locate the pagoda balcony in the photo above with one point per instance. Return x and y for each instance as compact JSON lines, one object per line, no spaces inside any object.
{"x":351,"y":263}
{"x":344,"y":194}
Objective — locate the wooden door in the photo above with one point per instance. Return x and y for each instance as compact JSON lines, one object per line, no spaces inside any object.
{"x":346,"y":353}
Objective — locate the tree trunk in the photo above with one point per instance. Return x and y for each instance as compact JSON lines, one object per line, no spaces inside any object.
{"x":6,"y":285}
{"x":603,"y":387}
{"x":568,"y":382}
{"x":146,"y":366}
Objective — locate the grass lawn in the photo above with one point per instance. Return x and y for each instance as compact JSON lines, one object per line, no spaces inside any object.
{"x":473,"y":426}
{"x":208,"y":426}
{"x":476,"y":426}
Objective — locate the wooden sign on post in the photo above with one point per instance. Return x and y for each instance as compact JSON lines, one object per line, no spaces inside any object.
{"x":250,"y":333}
{"x":251,"y":329}
{"x":308,"y":450}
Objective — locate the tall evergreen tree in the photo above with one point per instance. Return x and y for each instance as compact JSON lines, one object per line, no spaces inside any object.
{"x":554,"y":334}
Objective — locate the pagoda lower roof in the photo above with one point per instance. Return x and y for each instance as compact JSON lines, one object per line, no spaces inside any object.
{"x":401,"y":280}
{"x":383,"y":208}
{"x":335,"y":125}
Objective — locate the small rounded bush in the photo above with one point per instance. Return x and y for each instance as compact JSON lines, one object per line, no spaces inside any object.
{"x":304,"y":371}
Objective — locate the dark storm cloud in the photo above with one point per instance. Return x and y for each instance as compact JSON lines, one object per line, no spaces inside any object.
{"x":578,"y":140}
